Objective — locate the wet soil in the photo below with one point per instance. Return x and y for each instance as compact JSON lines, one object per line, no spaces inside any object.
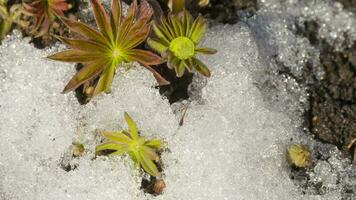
{"x":332,"y":113}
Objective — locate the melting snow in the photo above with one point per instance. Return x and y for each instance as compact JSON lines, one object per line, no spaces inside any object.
{"x":231,"y":145}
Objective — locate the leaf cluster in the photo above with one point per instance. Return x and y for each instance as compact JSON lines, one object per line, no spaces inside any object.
{"x":141,"y":151}
{"x":45,"y":12}
{"x":102,"y":51}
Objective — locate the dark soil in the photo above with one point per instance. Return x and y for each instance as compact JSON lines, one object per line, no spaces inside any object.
{"x":348,"y":4}
{"x":332,"y":112}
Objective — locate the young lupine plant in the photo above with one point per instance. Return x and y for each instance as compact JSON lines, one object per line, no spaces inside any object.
{"x":177,"y":39}
{"x":102,"y":51}
{"x":45,"y":12}
{"x":141,"y":151}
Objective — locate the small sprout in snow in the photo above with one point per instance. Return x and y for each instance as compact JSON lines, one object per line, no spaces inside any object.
{"x":102,"y":51}
{"x":141,"y":151}
{"x":177,"y":38}
{"x":298,"y":155}
{"x":45,"y":12}
{"x":78,"y":149}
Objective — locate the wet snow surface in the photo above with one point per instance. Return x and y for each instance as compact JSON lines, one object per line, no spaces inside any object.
{"x":231,"y":145}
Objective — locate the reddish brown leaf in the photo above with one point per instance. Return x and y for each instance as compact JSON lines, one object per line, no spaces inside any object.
{"x":144,"y":57}
{"x":75,"y":56}
{"x":84,"y":45}
{"x":87,"y":73}
{"x":84,"y":30}
{"x":116,"y":12}
{"x":102,"y":19}
{"x":205,"y":50}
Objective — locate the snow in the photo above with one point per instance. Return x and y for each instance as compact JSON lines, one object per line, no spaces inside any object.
{"x":232,"y":142}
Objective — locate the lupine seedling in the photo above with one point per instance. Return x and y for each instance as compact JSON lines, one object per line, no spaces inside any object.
{"x":102,"y":51}
{"x":141,"y":151}
{"x":177,"y":39}
{"x":45,"y":12}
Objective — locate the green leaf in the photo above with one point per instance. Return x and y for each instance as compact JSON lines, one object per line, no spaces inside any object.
{"x":149,"y":153}
{"x":189,"y":64}
{"x":205,"y":50}
{"x":180,"y":68}
{"x":105,"y":79}
{"x":147,"y":164}
{"x":156,"y":144}
{"x":118,"y":137}
{"x":198,"y":29}
{"x":201,"y":68}
{"x":132,"y":126}
{"x":111,"y":146}
{"x":173,"y":61}
{"x":73,"y":55}
{"x":102,"y":19}
{"x":187,"y":21}
{"x":167,"y":25}
{"x":177,"y":25}
{"x":157,"y":45}
{"x":162,"y":34}
{"x":87,"y":73}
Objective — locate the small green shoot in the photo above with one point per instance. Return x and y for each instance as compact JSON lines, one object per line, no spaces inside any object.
{"x":143,"y":152}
